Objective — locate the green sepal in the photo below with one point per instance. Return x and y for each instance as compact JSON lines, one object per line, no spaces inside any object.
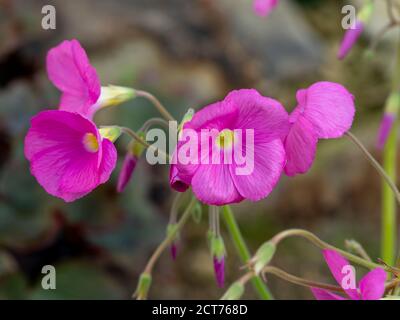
{"x":234,"y":292}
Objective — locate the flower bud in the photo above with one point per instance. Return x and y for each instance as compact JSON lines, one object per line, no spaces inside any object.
{"x":351,"y":35}
{"x":114,"y":95}
{"x":172,"y":229}
{"x":263,"y":256}
{"x":389,"y":117}
{"x":218,"y":255}
{"x":143,"y":286}
{"x":132,"y":156}
{"x":234,"y":292}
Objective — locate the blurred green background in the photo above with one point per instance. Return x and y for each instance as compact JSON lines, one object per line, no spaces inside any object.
{"x":188,"y":53}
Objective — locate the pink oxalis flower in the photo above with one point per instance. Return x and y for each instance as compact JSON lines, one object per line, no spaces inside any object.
{"x":67,"y":154}
{"x":263,"y":8}
{"x":69,"y":69}
{"x":370,"y":287}
{"x":325,"y":110}
{"x":219,"y":184}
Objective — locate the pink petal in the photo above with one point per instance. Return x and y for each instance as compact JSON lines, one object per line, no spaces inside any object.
{"x":349,"y":39}
{"x":59,"y":160}
{"x":329,"y":107}
{"x":269,"y":159}
{"x":321,"y":294}
{"x":177,"y":180}
{"x":336,"y":263}
{"x":266,"y":116}
{"x":213,"y":185}
{"x":372,"y":285}
{"x":214,"y":116}
{"x":69,"y":69}
{"x":300,"y":147}
{"x":264,"y":7}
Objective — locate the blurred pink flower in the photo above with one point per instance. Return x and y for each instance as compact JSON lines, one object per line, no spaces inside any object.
{"x":67,"y":155}
{"x":219,"y":184}
{"x":371,"y":286}
{"x":69,"y":69}
{"x":350,"y":37}
{"x":325,"y":110}
{"x":264,"y":7}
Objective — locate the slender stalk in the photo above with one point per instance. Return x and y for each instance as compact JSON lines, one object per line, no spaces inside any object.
{"x":388,"y":224}
{"x":324,"y":245}
{"x":299,"y":281}
{"x":169,"y":238}
{"x":135,"y":136}
{"x":243,"y":251}
{"x":163,"y":111}
{"x":383,"y":173}
{"x":153,"y":122}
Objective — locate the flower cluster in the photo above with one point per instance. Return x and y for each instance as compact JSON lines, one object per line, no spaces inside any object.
{"x":68,"y":154}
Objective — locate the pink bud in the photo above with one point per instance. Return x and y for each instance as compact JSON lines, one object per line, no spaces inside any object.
{"x":349,"y":39}
{"x":127,"y":169}
{"x":219,"y":269}
{"x":174,"y":250}
{"x":384,"y":130}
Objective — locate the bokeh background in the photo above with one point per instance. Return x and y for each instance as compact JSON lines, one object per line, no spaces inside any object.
{"x":188,"y":53}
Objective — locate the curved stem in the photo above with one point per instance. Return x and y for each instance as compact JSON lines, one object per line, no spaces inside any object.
{"x":299,"y":281}
{"x":152,"y":122}
{"x":163,"y":111}
{"x":135,"y":136}
{"x":170,"y":238}
{"x":324,"y":245}
{"x":243,"y":251}
{"x":375,"y":164}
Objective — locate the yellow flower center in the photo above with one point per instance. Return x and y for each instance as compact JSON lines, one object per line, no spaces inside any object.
{"x":90,"y":142}
{"x":225,"y":139}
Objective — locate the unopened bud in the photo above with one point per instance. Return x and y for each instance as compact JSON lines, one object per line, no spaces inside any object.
{"x":263,"y":256}
{"x":114,"y":95}
{"x":234,"y":292}
{"x":143,"y":286}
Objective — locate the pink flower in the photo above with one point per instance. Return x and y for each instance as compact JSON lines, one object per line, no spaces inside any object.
{"x":325,"y":110}
{"x":67,"y":155}
{"x":128,"y":166}
{"x":69,"y":69}
{"x":220,"y":184}
{"x":350,"y":37}
{"x":263,"y":7}
{"x":371,"y":286}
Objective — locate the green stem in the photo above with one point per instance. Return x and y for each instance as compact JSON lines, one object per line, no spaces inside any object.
{"x":388,"y":224}
{"x":243,"y":251}
{"x":388,"y":232}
